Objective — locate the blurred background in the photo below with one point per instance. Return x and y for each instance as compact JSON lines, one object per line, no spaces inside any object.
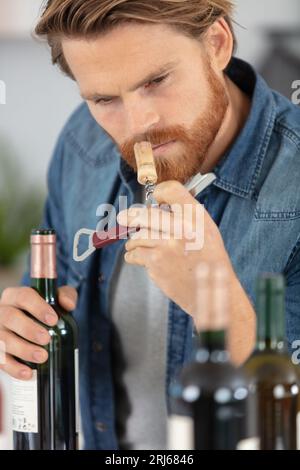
{"x":36,"y":99}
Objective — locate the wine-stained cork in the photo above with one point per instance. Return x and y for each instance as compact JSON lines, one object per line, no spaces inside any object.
{"x":145,"y":163}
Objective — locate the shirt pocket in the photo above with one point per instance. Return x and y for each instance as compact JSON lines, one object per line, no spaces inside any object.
{"x":279,"y":197}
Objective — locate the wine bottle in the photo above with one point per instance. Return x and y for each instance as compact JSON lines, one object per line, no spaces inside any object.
{"x":274,"y":379}
{"x":209,"y":398}
{"x":45,"y":408}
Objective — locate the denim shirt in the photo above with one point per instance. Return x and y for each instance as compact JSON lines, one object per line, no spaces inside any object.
{"x":255,"y":202}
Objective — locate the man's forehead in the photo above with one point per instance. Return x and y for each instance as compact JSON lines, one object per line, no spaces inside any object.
{"x":148,"y":73}
{"x":122,"y":59}
{"x":124,"y":47}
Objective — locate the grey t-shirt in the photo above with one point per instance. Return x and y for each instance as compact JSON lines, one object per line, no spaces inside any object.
{"x":139,"y":312}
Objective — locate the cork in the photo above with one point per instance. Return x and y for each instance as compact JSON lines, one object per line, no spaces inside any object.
{"x":145,"y":163}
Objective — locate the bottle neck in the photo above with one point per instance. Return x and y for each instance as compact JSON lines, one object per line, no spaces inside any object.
{"x":211,"y":346}
{"x":271,"y":319}
{"x":47,"y":288}
{"x":43,"y":265}
{"x":212,"y":316}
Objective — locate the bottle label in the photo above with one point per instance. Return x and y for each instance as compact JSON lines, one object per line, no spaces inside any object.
{"x":180,"y":433}
{"x":252,"y":443}
{"x":25,"y":404}
{"x":77,"y":407}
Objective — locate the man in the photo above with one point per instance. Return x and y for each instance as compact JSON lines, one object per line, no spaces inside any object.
{"x":160,"y":71}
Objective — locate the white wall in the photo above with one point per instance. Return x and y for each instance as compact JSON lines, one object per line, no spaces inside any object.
{"x":39,"y":100}
{"x":256,"y":16}
{"x":18,"y":16}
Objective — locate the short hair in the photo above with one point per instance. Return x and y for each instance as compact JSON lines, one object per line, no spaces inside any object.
{"x":91,"y":18}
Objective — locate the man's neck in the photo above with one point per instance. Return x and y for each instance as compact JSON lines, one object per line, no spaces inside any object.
{"x":235,"y":118}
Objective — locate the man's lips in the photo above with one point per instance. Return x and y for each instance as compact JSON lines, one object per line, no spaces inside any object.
{"x":162,"y":145}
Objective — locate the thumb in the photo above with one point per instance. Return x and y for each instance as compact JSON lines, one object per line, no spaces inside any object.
{"x":67,"y":297}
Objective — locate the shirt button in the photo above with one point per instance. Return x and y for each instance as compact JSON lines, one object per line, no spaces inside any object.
{"x":97,"y":347}
{"x":101,"y":427}
{"x":101,"y":278}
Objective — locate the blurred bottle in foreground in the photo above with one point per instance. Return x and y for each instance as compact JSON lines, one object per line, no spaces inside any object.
{"x":274,"y":379}
{"x":209,"y":399}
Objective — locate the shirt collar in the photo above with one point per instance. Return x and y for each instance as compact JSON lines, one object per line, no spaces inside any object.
{"x":239,"y":169}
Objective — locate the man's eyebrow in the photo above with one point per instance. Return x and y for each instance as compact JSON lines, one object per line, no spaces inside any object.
{"x":151,"y":76}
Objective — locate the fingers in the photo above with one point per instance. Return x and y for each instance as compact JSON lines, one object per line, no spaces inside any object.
{"x":20,"y":335}
{"x":18,"y":347}
{"x":28,"y":299}
{"x":139,"y":256}
{"x":144,"y":238}
{"x":19,"y":323}
{"x":15,"y":369}
{"x":67,"y":297}
{"x":172,"y":193}
{"x":153,"y":218}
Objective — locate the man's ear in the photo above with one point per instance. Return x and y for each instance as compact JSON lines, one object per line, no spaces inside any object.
{"x":219,"y":44}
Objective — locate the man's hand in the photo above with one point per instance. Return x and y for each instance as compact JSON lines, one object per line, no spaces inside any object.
{"x":23,"y":337}
{"x":170,"y":246}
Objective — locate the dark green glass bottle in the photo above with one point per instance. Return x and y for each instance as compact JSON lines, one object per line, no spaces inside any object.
{"x":209,"y":398}
{"x":45,"y":409}
{"x":274,"y":382}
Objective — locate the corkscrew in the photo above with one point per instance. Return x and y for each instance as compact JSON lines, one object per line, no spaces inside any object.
{"x":147,"y":176}
{"x":146,"y":170}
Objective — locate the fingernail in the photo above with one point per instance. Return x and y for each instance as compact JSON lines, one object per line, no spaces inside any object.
{"x":43,"y":337}
{"x":39,"y":356}
{"x":25,"y":373}
{"x":51,"y":318}
{"x":71,"y":301}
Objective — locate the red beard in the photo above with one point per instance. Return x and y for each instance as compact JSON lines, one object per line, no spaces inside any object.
{"x":195,"y":142}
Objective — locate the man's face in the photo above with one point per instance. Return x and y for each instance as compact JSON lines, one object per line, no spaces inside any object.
{"x":149,"y":82}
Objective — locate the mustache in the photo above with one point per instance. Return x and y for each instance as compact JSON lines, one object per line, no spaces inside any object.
{"x":155,"y":137}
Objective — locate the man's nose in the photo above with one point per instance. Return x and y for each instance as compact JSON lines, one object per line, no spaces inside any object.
{"x":141,"y":117}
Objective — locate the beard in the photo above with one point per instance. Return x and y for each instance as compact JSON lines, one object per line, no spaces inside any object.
{"x":195,"y":142}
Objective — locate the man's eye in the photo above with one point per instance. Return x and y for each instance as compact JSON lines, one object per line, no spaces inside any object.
{"x":157,"y":81}
{"x":102,"y":101}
